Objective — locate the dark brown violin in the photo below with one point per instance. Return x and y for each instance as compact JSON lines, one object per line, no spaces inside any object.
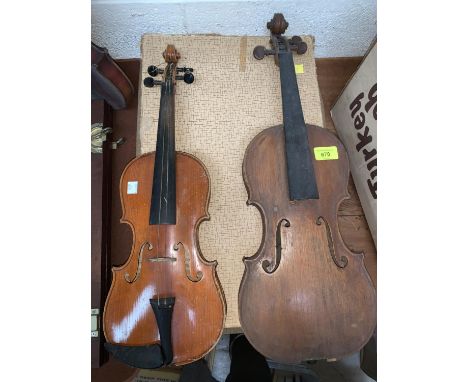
{"x":165,"y":305}
{"x":108,"y":81}
{"x":303,"y":295}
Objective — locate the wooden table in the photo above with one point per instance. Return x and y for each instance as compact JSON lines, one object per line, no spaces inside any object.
{"x":333,"y":74}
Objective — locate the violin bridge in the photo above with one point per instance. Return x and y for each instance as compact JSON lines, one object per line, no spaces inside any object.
{"x":161,"y":259}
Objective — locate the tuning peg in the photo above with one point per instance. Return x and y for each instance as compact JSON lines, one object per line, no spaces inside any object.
{"x":298,"y":45}
{"x":295,"y":40}
{"x":153,"y":71}
{"x":260,"y":52}
{"x":184,"y":69}
{"x":188,"y":77}
{"x":149,"y":82}
{"x":301,"y":47}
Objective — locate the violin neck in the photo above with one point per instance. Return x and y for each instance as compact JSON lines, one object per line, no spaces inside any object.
{"x":301,"y":176}
{"x":163,"y":197}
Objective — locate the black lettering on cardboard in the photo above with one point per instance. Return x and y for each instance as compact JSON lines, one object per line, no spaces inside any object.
{"x":372,"y":164}
{"x":372,"y":96}
{"x":372,"y":188}
{"x":356,"y":104}
{"x":360,"y":121}
{"x":364,"y":139}
{"x":373,"y":174}
{"x":369,"y":154}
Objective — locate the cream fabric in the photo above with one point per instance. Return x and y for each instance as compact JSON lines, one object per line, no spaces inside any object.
{"x":233,"y":98}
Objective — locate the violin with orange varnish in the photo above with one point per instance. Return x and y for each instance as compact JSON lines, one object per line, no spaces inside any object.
{"x":165,"y":305}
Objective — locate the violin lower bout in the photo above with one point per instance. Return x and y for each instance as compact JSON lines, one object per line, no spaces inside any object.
{"x":303,"y":295}
{"x":199,"y":309}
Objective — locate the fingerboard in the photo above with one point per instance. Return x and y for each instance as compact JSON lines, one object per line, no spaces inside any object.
{"x":301,"y":176}
{"x":163,"y":197}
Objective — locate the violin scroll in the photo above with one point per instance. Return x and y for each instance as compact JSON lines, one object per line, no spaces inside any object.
{"x":171,"y":54}
{"x":277,"y":26}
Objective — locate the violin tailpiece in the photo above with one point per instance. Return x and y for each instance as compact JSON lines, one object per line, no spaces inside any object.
{"x":155,"y":355}
{"x":163,"y":309}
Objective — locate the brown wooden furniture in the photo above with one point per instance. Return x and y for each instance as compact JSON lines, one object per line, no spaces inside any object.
{"x":101,"y":113}
{"x":110,"y":89}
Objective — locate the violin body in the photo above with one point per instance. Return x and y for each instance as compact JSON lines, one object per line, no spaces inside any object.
{"x":303,"y":295}
{"x":199,"y":309}
{"x":108,"y":81}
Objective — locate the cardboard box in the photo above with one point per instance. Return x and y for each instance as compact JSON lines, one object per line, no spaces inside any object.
{"x":355,"y":117}
{"x":157,"y":375}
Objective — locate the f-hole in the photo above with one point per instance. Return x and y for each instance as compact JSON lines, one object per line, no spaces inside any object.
{"x":267,"y":266}
{"x":343,"y":260}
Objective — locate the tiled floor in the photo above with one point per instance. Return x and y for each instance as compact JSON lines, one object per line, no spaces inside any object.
{"x":222,"y":361}
{"x":346,"y":369}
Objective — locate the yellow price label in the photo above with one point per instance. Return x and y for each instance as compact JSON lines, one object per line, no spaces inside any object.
{"x":299,"y":68}
{"x":326,"y":153}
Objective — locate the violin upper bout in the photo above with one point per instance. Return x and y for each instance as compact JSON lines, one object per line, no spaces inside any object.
{"x":135,"y":189}
{"x":193,"y":187}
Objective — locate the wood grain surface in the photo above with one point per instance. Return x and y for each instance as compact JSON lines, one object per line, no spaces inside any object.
{"x":100,"y":225}
{"x":303,"y":295}
{"x":124,"y":125}
{"x":333,"y":75}
{"x":199,"y":310}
